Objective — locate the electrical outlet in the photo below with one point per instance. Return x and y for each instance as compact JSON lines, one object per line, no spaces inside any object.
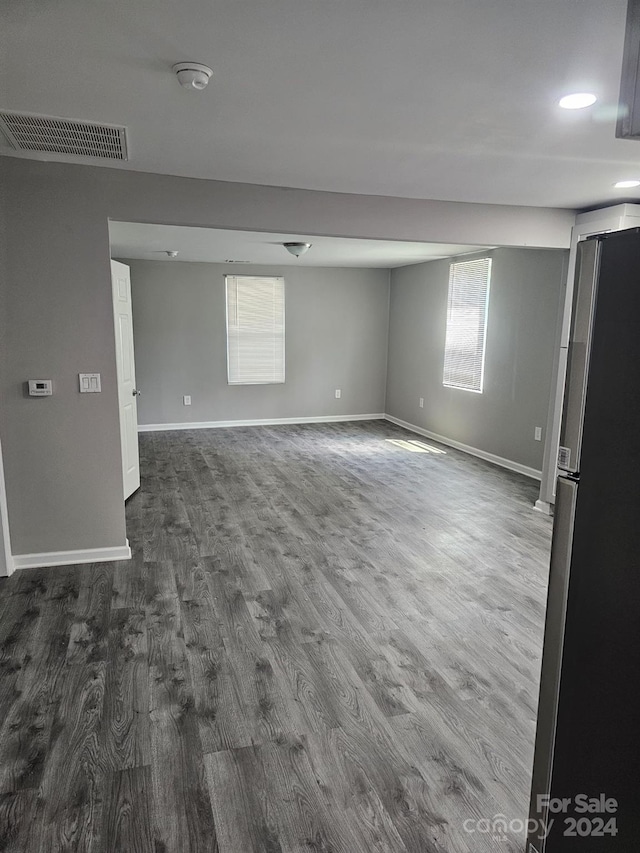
{"x":186,"y":400}
{"x":338,"y":393}
{"x":421,"y":402}
{"x":538,"y":434}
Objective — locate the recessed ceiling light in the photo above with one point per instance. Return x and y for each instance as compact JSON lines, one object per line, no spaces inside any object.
{"x":625,"y":185}
{"x":577,"y":101}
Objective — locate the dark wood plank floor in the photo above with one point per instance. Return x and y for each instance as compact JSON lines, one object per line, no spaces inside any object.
{"x":328,"y":639}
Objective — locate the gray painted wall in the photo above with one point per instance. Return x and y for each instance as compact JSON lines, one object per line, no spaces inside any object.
{"x":62,"y":453}
{"x":336,"y":323}
{"x":524,"y":303}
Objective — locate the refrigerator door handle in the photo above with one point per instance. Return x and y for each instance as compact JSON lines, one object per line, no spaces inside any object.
{"x":561,"y":550}
{"x":584,"y":298}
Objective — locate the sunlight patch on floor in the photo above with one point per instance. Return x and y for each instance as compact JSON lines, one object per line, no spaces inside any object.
{"x":415,"y":446}
{"x":429,"y":447}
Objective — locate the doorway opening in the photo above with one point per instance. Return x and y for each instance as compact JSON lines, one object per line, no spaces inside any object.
{"x":360,"y":486}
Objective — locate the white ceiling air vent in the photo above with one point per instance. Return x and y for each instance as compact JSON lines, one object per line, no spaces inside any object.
{"x":64,"y":136}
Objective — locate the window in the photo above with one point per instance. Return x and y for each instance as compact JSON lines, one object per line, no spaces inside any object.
{"x":255,"y":330}
{"x":466,"y":337}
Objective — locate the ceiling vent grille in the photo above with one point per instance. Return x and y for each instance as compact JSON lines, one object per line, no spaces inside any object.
{"x":64,"y":136}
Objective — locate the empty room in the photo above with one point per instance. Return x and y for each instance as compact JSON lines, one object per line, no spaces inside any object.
{"x":317,"y":461}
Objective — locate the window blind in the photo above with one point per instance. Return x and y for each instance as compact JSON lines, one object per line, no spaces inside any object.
{"x":467,"y":310}
{"x":255,"y":330}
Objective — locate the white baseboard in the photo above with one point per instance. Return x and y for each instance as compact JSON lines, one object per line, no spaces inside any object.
{"x":70,"y":558}
{"x":465,"y":448}
{"x":317,"y":419}
{"x":544,"y":506}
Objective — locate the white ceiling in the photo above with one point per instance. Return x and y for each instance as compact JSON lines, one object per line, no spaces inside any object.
{"x":209,"y":245}
{"x":446,"y":99}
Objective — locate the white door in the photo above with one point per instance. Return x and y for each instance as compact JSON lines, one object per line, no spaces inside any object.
{"x":127,"y":391}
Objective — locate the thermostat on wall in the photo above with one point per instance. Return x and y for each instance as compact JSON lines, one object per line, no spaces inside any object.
{"x":40,"y":387}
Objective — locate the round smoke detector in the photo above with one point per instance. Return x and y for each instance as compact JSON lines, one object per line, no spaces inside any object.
{"x":192,"y":75}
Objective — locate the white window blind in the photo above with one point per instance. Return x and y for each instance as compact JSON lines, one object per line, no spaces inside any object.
{"x":255,"y":330}
{"x":466,"y":336}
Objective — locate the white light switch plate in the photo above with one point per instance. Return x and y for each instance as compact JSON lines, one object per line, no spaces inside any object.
{"x":89,"y":383}
{"x":187,"y":399}
{"x":338,"y":393}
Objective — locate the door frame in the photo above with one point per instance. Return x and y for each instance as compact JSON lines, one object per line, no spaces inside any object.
{"x":6,"y":558}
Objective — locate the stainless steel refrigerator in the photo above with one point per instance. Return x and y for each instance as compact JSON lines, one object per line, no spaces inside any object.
{"x":586,"y":776}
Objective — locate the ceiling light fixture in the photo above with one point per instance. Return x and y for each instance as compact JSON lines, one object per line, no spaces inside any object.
{"x":192,"y":75}
{"x":577,"y":101}
{"x":172,"y":253}
{"x":297,"y":249}
{"x":626,"y":185}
